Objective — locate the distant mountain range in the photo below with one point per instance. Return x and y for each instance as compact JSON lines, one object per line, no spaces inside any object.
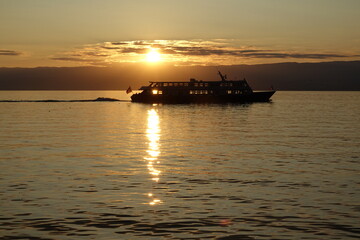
{"x":326,"y":76}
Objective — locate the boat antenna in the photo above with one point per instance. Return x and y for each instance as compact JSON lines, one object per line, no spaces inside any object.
{"x":223,"y":77}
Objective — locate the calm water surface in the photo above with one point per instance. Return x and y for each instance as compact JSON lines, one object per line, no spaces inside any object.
{"x":119,"y":170}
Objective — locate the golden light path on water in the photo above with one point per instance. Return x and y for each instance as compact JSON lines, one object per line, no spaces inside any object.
{"x":153,"y":135}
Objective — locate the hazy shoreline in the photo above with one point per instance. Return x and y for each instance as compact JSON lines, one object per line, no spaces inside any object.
{"x":325,"y":76}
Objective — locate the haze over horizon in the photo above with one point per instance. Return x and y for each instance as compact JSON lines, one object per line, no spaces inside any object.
{"x":163,"y":34}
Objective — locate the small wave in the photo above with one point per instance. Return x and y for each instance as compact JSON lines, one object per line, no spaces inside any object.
{"x":99,"y":99}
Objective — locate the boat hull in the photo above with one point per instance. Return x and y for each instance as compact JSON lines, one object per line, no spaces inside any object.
{"x":258,"y":96}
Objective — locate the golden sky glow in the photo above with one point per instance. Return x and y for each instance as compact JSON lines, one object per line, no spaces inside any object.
{"x":153,"y":55}
{"x":201,"y":32}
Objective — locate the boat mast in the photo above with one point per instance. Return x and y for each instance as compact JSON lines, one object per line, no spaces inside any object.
{"x":223,"y":77}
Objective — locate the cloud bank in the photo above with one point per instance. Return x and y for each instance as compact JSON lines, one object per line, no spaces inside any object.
{"x":187,"y":52}
{"x":9,"y":53}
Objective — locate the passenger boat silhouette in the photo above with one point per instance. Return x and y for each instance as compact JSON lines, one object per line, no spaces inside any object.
{"x":194,"y":91}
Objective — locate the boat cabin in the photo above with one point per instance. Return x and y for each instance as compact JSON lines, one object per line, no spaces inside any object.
{"x":196,"y":87}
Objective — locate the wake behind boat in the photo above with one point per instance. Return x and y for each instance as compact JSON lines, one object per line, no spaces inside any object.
{"x":99,"y":99}
{"x":194,"y":91}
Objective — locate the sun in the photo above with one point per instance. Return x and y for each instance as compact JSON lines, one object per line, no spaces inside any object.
{"x":153,"y":55}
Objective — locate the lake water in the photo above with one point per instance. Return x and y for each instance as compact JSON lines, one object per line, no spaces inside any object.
{"x":288,"y":169}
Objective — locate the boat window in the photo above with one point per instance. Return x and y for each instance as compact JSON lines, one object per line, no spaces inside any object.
{"x":229,"y":92}
{"x":201,"y":84}
{"x":196,"y":84}
{"x":155,"y":91}
{"x":199,"y":92}
{"x":206,"y":84}
{"x":186,"y":84}
{"x":181,"y":84}
{"x":160,"y":92}
{"x":165,"y":84}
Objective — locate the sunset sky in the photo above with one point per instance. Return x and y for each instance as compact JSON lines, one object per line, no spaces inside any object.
{"x":187,"y":32}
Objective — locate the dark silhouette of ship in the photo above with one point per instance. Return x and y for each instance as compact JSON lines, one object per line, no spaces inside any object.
{"x":194,"y":91}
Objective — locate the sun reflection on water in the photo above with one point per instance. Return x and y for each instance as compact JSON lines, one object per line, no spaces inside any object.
{"x":153,"y":135}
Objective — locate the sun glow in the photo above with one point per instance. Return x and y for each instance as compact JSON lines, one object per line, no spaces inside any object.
{"x":153,"y":55}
